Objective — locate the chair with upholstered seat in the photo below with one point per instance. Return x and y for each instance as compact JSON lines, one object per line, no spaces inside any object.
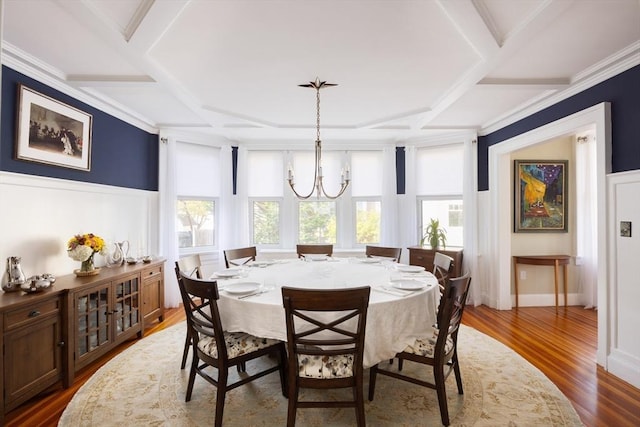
{"x":325,"y":351}
{"x":303,"y":250}
{"x":214,"y":347}
{"x":191,"y":265}
{"x":438,"y":350}
{"x":383,"y":252}
{"x":239,"y":256}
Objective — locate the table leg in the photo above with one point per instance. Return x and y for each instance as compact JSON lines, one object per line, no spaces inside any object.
{"x":565,"y":284}
{"x":515,"y":271}
{"x":555,"y":271}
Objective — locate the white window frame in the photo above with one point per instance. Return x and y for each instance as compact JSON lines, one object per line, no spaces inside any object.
{"x":216,"y":225}
{"x":421,"y":225}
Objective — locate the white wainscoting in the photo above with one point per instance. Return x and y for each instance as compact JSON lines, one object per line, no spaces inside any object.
{"x":623,"y":353}
{"x":39,"y":215}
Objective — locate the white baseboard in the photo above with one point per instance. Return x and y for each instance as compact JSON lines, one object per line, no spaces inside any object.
{"x":624,"y":366}
{"x":544,"y":300}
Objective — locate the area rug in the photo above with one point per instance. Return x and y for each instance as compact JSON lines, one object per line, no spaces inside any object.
{"x":144,"y":386}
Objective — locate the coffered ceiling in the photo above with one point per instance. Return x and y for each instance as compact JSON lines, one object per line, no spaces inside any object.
{"x":406,"y":70}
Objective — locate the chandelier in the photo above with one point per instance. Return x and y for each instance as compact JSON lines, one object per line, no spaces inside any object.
{"x":318,"y":186}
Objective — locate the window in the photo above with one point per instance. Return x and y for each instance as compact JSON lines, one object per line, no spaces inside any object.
{"x":317,"y":222}
{"x":439,"y":175}
{"x":366,"y":191}
{"x":265,"y":184}
{"x":278,"y":219}
{"x":448,"y":212}
{"x":265,"y":215}
{"x":367,"y":222}
{"x":198,"y":189}
{"x":196,"y":226}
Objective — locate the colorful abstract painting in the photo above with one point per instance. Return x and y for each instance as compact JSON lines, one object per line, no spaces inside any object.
{"x":540,"y":196}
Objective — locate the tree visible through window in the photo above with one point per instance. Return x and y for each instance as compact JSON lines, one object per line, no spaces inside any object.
{"x":317,"y":222}
{"x":368,"y":222}
{"x":195,"y":223}
{"x":266,"y":223}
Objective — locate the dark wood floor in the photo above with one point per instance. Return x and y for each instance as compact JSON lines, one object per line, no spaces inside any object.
{"x":561,"y":345}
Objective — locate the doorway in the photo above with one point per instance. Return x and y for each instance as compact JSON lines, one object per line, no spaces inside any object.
{"x":501,"y":194}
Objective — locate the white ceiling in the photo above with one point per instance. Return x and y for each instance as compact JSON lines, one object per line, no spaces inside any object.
{"x":406,"y":70}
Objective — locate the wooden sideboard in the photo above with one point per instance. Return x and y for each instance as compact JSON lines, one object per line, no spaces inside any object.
{"x":419,"y":255}
{"x":48,"y":336}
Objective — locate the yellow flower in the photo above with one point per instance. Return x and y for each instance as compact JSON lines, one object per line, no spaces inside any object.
{"x":84,"y":245}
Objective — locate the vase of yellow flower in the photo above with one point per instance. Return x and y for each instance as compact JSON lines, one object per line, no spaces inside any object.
{"x":83,"y":247}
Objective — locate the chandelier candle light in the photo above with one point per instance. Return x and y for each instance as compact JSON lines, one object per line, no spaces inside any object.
{"x":318,"y":186}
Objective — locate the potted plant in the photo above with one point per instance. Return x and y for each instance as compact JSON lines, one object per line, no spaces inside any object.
{"x":434,"y":235}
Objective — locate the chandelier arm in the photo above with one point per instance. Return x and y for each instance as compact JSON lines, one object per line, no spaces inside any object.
{"x":315,"y":186}
{"x":318,"y":185}
{"x":343,"y":187}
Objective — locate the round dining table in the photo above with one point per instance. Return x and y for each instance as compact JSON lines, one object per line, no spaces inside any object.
{"x":402,"y":304}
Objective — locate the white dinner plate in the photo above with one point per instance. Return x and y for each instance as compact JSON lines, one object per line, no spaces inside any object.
{"x":408,"y":284}
{"x":242,"y":287}
{"x":370,"y":261}
{"x":261,"y":263}
{"x":409,"y":268}
{"x":229,"y":272}
{"x":316,"y":257}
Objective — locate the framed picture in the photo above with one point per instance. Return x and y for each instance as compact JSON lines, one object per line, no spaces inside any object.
{"x":540,"y":202}
{"x":51,"y":132}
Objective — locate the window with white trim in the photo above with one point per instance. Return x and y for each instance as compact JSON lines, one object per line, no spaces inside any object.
{"x":439,"y":186}
{"x":198,"y":191}
{"x":265,"y":190}
{"x":366,"y":192}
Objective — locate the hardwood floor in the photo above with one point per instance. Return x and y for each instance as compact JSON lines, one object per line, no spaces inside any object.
{"x":561,"y":345}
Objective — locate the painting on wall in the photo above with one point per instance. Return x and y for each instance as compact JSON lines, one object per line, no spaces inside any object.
{"x":51,"y":132}
{"x":540,"y":199}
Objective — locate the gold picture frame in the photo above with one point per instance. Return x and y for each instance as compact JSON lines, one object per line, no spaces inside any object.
{"x":52,"y":132}
{"x":540,"y":199}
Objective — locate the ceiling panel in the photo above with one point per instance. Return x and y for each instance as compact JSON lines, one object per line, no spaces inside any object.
{"x":406,"y":70}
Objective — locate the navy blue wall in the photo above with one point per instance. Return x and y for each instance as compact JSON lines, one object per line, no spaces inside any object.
{"x":622,"y":91}
{"x":121,"y":154}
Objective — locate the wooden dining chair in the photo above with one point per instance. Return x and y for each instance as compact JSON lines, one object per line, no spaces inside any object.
{"x":438,"y":350}
{"x":303,"y":250}
{"x":325,"y":353}
{"x":239,"y":256}
{"x":214,"y":347}
{"x":442,"y":268}
{"x":383,"y":252}
{"x":191,"y":265}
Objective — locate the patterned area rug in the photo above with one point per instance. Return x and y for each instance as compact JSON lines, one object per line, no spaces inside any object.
{"x":144,"y":385}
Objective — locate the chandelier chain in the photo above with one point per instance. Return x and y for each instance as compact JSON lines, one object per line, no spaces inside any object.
{"x":318,"y":185}
{"x":317,"y":114}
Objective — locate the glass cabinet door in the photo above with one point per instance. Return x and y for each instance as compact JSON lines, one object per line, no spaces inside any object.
{"x":127,"y":304}
{"x":93,"y":320}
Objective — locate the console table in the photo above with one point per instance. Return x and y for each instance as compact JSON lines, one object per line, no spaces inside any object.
{"x":553,"y":260}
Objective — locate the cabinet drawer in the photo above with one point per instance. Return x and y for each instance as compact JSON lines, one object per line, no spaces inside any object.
{"x":24,"y":316}
{"x":151,"y":272}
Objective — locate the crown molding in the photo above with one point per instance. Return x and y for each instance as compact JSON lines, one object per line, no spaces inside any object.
{"x":610,"y":67}
{"x":34,"y":68}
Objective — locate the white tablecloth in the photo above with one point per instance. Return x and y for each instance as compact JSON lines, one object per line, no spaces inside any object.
{"x":393,"y":321}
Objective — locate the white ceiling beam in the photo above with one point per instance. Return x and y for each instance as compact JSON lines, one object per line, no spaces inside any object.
{"x":466,"y":18}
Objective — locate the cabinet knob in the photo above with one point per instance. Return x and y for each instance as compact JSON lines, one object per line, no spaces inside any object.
{"x":61,"y":344}
{"x":34,"y":313}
